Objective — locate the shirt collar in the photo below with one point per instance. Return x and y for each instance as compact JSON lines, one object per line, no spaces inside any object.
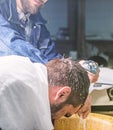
{"x":22,"y":16}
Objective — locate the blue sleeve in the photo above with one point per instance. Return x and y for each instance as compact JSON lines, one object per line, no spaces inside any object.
{"x":46,"y":45}
{"x":11,"y":43}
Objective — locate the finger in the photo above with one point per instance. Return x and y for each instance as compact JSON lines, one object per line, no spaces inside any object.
{"x":85,"y":114}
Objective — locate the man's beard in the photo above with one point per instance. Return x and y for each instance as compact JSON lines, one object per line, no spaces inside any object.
{"x":56,"y":108}
{"x":26,"y":7}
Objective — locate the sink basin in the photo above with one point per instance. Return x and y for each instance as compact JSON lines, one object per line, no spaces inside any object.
{"x":94,"y":121}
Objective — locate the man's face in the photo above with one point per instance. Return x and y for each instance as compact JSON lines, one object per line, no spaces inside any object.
{"x":66,"y":110}
{"x":60,"y":102}
{"x":32,"y":6}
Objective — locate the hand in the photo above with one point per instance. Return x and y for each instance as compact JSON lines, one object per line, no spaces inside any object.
{"x":86,"y":108}
{"x":92,"y":77}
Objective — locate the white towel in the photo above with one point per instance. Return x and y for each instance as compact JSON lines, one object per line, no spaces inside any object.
{"x":24,"y":103}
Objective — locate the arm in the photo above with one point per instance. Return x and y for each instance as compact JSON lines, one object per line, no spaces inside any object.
{"x":47,"y":45}
{"x":86,"y":108}
{"x":13,"y":43}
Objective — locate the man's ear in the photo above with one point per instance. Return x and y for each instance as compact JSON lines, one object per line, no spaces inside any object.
{"x":62,"y":94}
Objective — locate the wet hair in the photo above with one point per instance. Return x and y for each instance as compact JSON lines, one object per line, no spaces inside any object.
{"x":66,"y":72}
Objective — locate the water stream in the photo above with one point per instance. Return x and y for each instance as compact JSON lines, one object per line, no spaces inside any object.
{"x":82,"y":124}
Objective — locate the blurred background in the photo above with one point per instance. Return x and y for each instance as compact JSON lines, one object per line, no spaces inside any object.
{"x":81,"y":28}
